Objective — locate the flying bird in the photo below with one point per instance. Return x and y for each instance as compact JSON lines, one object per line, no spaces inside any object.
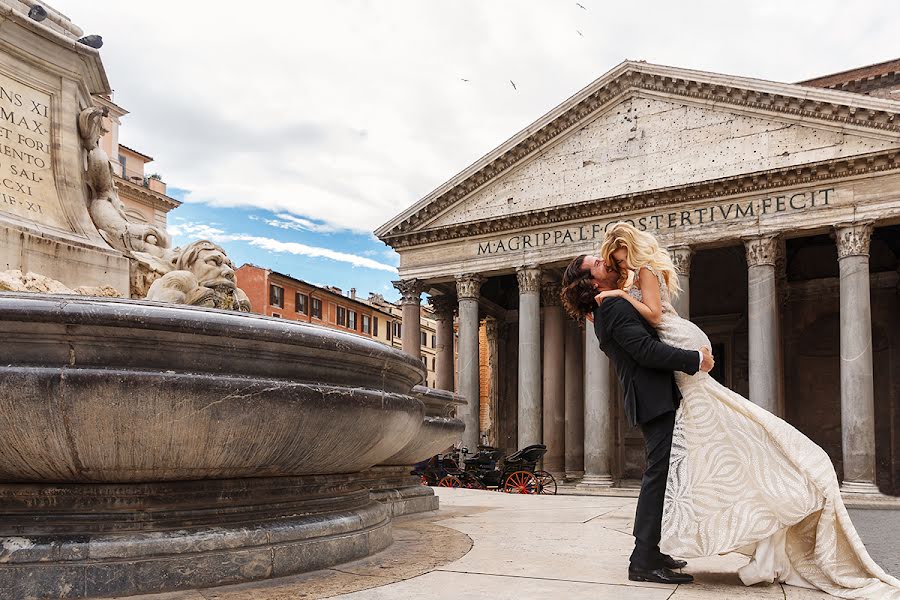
{"x":580,"y":6}
{"x":464,"y":79}
{"x":513,"y":83}
{"x":579,"y":33}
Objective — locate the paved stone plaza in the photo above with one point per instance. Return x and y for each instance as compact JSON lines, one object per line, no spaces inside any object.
{"x":498,"y":546}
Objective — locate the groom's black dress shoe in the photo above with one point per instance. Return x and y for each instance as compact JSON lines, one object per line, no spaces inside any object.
{"x":673,"y":563}
{"x":660,"y":575}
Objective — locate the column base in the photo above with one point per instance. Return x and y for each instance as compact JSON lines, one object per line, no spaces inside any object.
{"x":596,"y":481}
{"x":574,"y":476}
{"x":860,"y":487}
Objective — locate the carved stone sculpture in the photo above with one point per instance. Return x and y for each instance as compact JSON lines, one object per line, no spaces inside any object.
{"x":104,"y":205}
{"x":204,"y":276}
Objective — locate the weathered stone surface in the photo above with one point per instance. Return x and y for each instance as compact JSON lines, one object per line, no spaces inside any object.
{"x":202,"y":275}
{"x":45,"y":226}
{"x":325,"y":524}
{"x":152,"y":447}
{"x":16,"y":281}
{"x":647,"y":143}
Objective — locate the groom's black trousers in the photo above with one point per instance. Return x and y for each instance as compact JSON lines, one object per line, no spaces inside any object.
{"x":648,"y":516}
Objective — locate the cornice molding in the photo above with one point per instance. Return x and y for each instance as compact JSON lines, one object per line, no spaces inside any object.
{"x":793,"y":101}
{"x":811,"y":173}
{"x":148,"y":194}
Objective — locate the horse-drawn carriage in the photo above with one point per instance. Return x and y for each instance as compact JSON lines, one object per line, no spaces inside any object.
{"x":490,"y":469}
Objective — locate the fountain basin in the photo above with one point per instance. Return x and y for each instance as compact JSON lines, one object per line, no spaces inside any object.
{"x":147,"y":447}
{"x":392,"y":482}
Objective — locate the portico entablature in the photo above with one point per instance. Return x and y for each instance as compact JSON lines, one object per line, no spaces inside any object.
{"x":807,"y":207}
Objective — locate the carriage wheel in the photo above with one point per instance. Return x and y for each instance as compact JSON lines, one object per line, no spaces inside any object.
{"x":546,"y":482}
{"x":473,"y":483}
{"x":521,"y":482}
{"x":450,"y":481}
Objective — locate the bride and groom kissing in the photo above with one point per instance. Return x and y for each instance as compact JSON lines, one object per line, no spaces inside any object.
{"x":722,"y":474}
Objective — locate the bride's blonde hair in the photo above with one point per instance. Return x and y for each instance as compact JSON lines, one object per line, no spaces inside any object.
{"x":643,"y":250}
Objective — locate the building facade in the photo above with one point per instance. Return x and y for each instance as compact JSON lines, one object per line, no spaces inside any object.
{"x":780,"y":205}
{"x":277,"y":295}
{"x":143,"y":194}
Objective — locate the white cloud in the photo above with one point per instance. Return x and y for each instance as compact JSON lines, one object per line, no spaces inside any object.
{"x":288,"y":221}
{"x":342,"y":114}
{"x":220,"y":236}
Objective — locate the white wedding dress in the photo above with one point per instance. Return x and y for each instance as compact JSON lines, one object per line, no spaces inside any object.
{"x":743,"y":480}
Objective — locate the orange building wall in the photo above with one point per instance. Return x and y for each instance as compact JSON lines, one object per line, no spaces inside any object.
{"x":255,"y":282}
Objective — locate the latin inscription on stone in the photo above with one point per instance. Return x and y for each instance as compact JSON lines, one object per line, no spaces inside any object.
{"x":27,"y":187}
{"x":718,"y":213}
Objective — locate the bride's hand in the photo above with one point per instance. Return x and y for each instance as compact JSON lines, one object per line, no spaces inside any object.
{"x":609,"y":294}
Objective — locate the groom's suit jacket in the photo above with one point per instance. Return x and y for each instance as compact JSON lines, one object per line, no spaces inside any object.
{"x":645,"y":366}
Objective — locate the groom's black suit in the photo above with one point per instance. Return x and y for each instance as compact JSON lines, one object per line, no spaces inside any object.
{"x":645,"y":367}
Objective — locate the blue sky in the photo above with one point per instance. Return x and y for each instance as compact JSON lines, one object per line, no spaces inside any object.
{"x":303,"y":248}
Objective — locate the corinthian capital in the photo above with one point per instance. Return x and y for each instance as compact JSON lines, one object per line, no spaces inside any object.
{"x":468,"y":286}
{"x":529,"y":279}
{"x":762,"y":250}
{"x":550,"y":293}
{"x":853,"y":238}
{"x":681,"y":258}
{"x":442,"y":306}
{"x":410,"y":290}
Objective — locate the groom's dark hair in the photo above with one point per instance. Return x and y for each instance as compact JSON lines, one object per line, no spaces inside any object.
{"x":577,"y":292}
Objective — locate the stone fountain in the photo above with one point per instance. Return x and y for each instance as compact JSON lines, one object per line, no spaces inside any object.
{"x":161,"y":444}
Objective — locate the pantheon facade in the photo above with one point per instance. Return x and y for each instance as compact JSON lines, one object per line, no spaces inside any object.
{"x":780,"y":205}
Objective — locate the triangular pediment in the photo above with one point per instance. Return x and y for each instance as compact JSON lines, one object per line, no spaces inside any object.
{"x":642,"y":128}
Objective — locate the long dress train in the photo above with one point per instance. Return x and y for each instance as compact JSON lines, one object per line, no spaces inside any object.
{"x":742,"y":479}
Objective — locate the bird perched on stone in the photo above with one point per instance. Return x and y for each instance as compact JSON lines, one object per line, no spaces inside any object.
{"x":37,"y":13}
{"x":93,"y":41}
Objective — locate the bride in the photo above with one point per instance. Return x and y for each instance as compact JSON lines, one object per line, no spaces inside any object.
{"x":740,"y":478}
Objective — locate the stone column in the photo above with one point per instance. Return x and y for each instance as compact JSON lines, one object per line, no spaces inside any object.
{"x":762,"y":315}
{"x":410,"y":301}
{"x":491,"y":370}
{"x":574,"y":401}
{"x":443,"y":308}
{"x":468,"y":289}
{"x":598,"y":433}
{"x":681,"y":256}
{"x":554,"y":390}
{"x":529,"y":395}
{"x":857,"y":385}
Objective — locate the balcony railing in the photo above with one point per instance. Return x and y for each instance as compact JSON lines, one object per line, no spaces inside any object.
{"x":152,"y":182}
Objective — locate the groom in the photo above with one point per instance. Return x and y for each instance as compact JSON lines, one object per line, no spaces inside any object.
{"x":645,"y":367}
